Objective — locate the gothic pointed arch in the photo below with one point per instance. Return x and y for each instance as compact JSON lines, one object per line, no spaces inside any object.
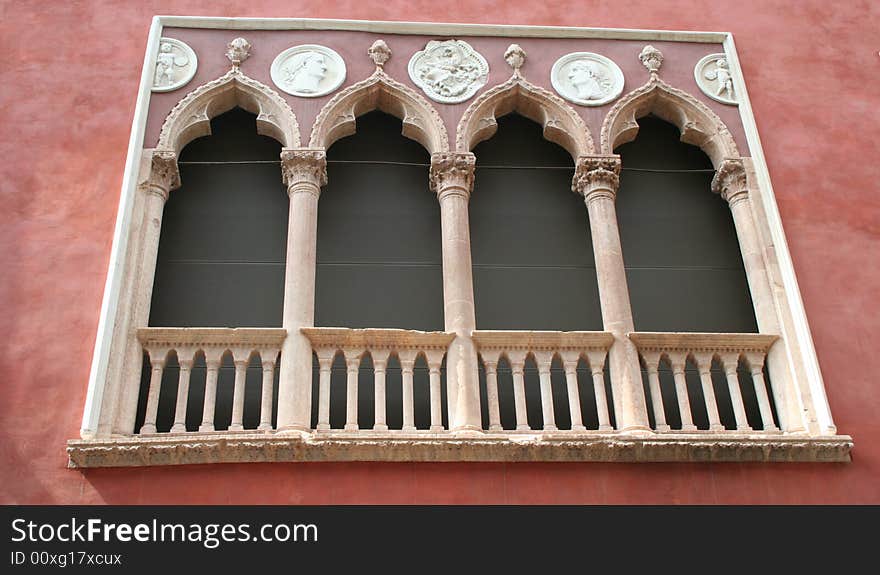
{"x":562,"y":124}
{"x":191,"y":117}
{"x":421,"y":121}
{"x":698,"y":124}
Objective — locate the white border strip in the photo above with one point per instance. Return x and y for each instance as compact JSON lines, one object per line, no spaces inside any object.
{"x":110,"y":303}
{"x":786,"y":266}
{"x":439,"y":29}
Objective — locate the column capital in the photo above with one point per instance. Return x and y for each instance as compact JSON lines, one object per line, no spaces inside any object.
{"x":596,"y":176}
{"x":452,"y":173}
{"x":304,"y":166}
{"x":164,"y":173}
{"x":730,"y":181}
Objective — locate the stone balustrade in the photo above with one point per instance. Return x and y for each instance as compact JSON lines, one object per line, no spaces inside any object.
{"x":740,"y":356}
{"x":516,"y":347}
{"x":214,"y":343}
{"x":380,"y":344}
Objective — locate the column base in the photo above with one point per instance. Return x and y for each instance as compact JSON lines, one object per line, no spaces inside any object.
{"x":437,"y":428}
{"x":606,"y":428}
{"x":351,"y":427}
{"x":265,"y":427}
{"x":578,"y":428}
{"x":147,"y":428}
{"x":551,"y":428}
{"x":380,"y":427}
{"x":689,"y":428}
{"x":663,"y":428}
{"x":409,"y":428}
{"x":523,"y":427}
{"x":323,"y":427}
{"x":289,"y":430}
{"x":717,"y":427}
{"x":179,"y":428}
{"x":236,"y":428}
{"x":206,"y":427}
{"x":496,"y":428}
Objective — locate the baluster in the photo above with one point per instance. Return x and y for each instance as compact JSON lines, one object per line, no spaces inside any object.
{"x":353,"y":365}
{"x":544,"y":359}
{"x":434,"y":359}
{"x":407,"y":361}
{"x":157,"y":362}
{"x":325,"y":363}
{"x":212,"y":364}
{"x":380,"y":361}
{"x":756,"y":365}
{"x":267,"y":358}
{"x":597,"y":369}
{"x":490,"y":360}
{"x":570,"y":363}
{"x":678,"y":361}
{"x":185,"y":363}
{"x":241,"y":358}
{"x":652,"y":361}
{"x":731,"y":361}
{"x":517,"y":360}
{"x":704,"y":365}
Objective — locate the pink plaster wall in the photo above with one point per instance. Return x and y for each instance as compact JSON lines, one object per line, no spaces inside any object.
{"x":68,"y":81}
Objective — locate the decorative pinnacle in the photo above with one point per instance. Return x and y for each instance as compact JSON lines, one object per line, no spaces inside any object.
{"x":516,"y":57}
{"x":238,"y":51}
{"x":652,"y":58}
{"x":380,"y":53}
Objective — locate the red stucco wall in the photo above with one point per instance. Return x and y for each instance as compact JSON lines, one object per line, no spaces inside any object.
{"x":68,"y":80}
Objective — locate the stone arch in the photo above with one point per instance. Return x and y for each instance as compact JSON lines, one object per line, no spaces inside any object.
{"x":698,"y":124}
{"x":191,"y":117}
{"x":421,"y":121}
{"x":562,"y":124}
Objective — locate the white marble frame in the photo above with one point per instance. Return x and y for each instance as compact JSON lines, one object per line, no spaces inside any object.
{"x":765,"y":206}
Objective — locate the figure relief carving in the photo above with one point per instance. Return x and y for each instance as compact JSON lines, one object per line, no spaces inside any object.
{"x":176,"y":65}
{"x":730,"y":181}
{"x":515,"y":56}
{"x":380,"y":53}
{"x":308,"y":71}
{"x":596,"y":174}
{"x":713,"y":77}
{"x":304,"y":166}
{"x":586,"y":78}
{"x":452,"y":170}
{"x":449,"y":71}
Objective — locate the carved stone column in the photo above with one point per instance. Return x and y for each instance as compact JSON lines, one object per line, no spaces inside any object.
{"x":452,"y":178}
{"x":304,"y":172}
{"x":163,"y":178}
{"x":596,"y":178}
{"x":731,"y":183}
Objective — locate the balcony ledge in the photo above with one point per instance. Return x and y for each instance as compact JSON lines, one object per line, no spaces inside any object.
{"x":254,"y":446}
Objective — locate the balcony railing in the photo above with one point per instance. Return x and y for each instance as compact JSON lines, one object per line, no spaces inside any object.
{"x":707,"y":393}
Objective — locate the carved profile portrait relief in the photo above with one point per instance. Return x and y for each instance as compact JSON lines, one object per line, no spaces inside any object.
{"x":175,"y":65}
{"x":586,"y":78}
{"x":715,"y":79}
{"x":308,"y":71}
{"x":449,"y":71}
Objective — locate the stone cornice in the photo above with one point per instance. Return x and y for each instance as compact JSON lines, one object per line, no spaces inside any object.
{"x":210,"y":336}
{"x":703,"y":342}
{"x":452,"y":172}
{"x":304,"y":166}
{"x":338,"y":445}
{"x":543,"y":340}
{"x":379,"y":339}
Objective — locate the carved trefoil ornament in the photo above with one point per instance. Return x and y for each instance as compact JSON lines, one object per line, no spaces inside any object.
{"x":176,"y":65}
{"x":714,"y":78}
{"x":450,"y":71}
{"x":308,"y":71}
{"x":587,"y":79}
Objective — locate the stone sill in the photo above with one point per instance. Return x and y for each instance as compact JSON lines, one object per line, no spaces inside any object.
{"x":243,"y":447}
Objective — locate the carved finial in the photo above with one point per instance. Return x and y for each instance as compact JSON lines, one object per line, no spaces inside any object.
{"x":516,"y":57}
{"x":652,"y":58}
{"x":380,"y":53}
{"x":238,"y":51}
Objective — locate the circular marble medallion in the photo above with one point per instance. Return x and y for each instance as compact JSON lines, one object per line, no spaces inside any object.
{"x":713,"y":76}
{"x":449,"y":71}
{"x":176,"y":65}
{"x":308,"y":70}
{"x":586,"y":78}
